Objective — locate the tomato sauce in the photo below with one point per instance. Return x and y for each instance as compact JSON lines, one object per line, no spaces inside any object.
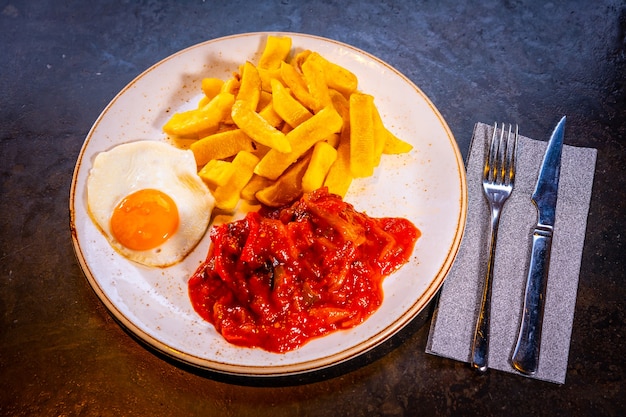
{"x":280,"y":277}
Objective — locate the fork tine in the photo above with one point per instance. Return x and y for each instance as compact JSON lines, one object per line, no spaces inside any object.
{"x":489,"y":171}
{"x":498,"y":156}
{"x":513,"y":156}
{"x":504,"y":156}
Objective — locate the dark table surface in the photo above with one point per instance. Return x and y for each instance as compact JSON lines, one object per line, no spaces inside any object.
{"x":529,"y":62}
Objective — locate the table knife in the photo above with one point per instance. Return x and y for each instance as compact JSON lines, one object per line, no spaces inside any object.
{"x":526,"y":354}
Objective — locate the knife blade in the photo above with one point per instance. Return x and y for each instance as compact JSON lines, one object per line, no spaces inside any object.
{"x":525,"y":357}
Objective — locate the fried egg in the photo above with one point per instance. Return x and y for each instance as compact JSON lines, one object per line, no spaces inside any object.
{"x":149,"y":202}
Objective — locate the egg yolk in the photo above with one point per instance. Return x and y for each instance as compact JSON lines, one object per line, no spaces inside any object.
{"x":144,"y":219}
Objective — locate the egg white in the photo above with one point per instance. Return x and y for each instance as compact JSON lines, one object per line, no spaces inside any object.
{"x":134,"y":166}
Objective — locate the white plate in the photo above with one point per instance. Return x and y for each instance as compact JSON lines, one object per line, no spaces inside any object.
{"x":426,"y":186}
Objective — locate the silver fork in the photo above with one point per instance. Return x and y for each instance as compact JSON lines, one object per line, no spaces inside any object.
{"x":498,"y":179}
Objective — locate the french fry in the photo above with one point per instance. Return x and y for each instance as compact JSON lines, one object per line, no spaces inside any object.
{"x":333,"y":140}
{"x":341,"y":104}
{"x":337,"y":77}
{"x":380,"y":135}
{"x":315,"y":79}
{"x":287,"y":107}
{"x":203,"y":102}
{"x":205,"y":119}
{"x":276,"y":50}
{"x":322,"y":157}
{"x":211,"y":87}
{"x":227,"y":196}
{"x":301,"y":139}
{"x":221,"y":145}
{"x":217,"y":172}
{"x":286,"y":128}
{"x":258,"y":128}
{"x":294,"y":81}
{"x":267,"y":75}
{"x":394,"y":145}
{"x":339,"y":175}
{"x":361,"y":135}
{"x":255,"y":184}
{"x":287,"y":188}
{"x":231,"y":86}
{"x":264,"y":99}
{"x":250,"y":86}
{"x":300,"y":57}
{"x":270,"y":115}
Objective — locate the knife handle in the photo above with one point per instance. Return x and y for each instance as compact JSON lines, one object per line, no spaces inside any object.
{"x":526,"y":355}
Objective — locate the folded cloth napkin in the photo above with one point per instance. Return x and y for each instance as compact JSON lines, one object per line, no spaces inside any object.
{"x":454,"y":319}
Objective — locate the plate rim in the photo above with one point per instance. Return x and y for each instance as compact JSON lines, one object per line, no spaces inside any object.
{"x":307,"y":366}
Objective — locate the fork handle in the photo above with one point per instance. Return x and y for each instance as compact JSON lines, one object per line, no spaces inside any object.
{"x":526,"y":354}
{"x":480,"y":346}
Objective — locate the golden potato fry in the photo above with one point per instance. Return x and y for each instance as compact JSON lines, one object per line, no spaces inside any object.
{"x":286,"y":128}
{"x":203,"y":101}
{"x":270,"y":115}
{"x":339,"y":175}
{"x":258,"y":128}
{"x":216,"y":172}
{"x":264,"y":100}
{"x":255,"y":184}
{"x":294,"y":81}
{"x":227,"y":196}
{"x":205,"y":119}
{"x":300,"y":57}
{"x":395,"y":145}
{"x":267,"y":75}
{"x":212,"y":87}
{"x":231,"y":86}
{"x":337,"y":77}
{"x":380,"y":135}
{"x":315,"y":79}
{"x":333,"y":140}
{"x":341,"y":104}
{"x":287,"y":188}
{"x":250,"y":86}
{"x":221,"y":145}
{"x":287,"y":107}
{"x":276,"y":50}
{"x":361,"y":135}
{"x":301,"y":139}
{"x":322,"y":157}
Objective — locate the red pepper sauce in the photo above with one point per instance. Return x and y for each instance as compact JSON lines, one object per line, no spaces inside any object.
{"x":280,"y":277}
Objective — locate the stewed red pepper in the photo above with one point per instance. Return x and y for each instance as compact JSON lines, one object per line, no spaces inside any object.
{"x":280,"y":277}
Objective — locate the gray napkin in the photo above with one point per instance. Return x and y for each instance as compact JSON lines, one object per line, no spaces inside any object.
{"x":454,"y":320}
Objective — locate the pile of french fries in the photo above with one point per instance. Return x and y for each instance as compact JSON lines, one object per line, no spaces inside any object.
{"x":288,"y":125}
